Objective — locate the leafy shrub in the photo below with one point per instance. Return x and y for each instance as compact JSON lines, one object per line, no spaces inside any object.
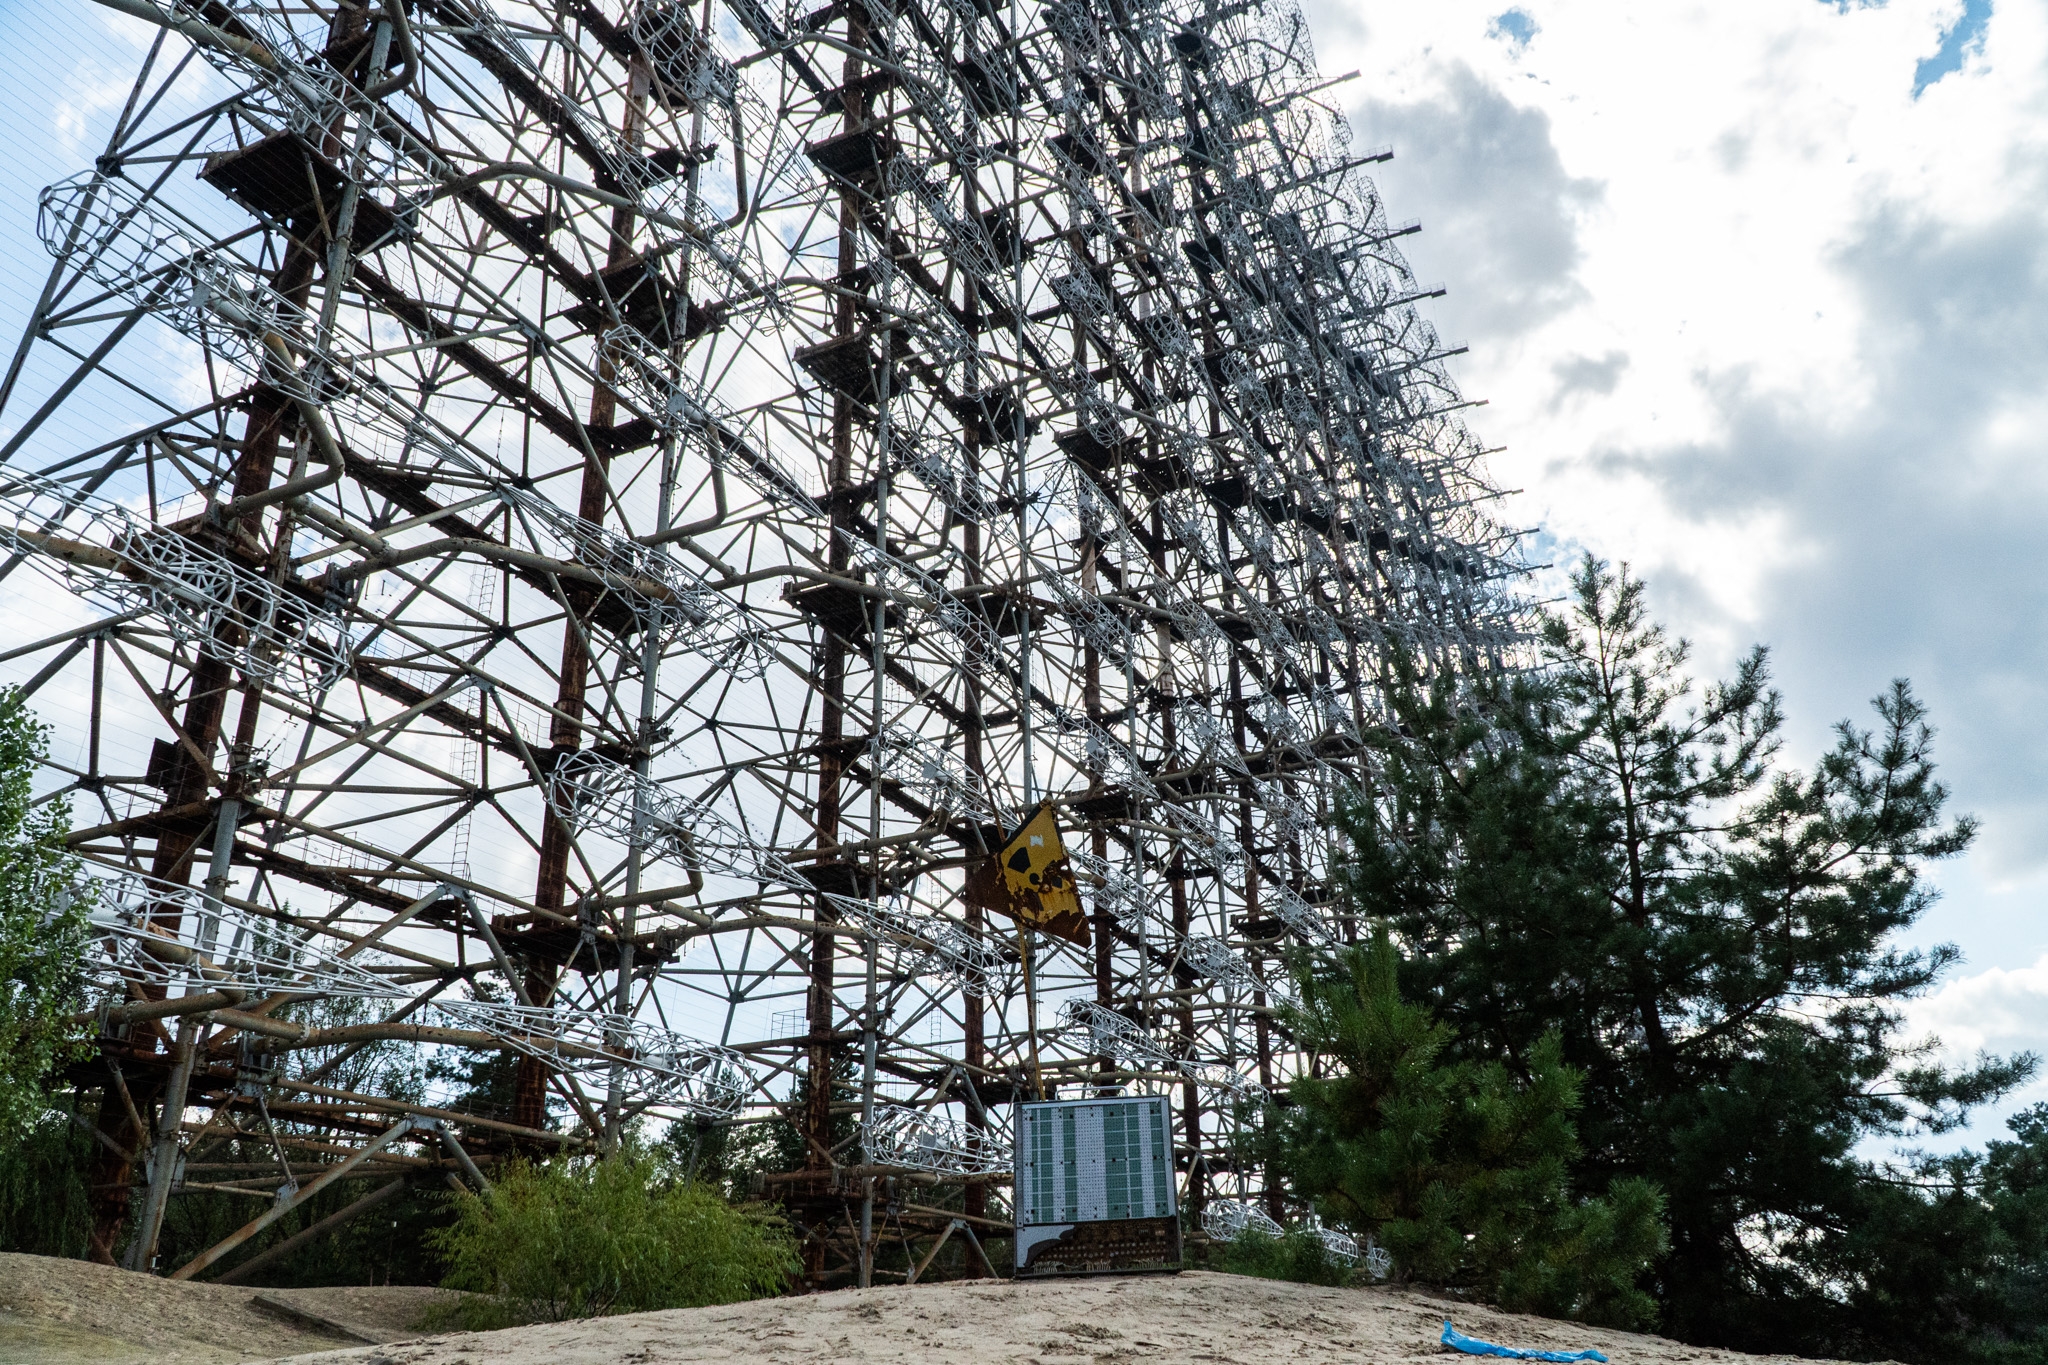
{"x":42,"y":930}
{"x":578,"y":1238}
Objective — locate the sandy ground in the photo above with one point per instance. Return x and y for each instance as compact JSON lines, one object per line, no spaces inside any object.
{"x":55,"y":1312}
{"x":1195,"y":1316}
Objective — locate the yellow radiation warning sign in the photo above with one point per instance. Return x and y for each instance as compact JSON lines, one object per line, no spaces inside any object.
{"x":1030,"y":880}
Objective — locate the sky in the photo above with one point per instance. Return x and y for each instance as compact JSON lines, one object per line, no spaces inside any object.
{"x":1757,"y":294}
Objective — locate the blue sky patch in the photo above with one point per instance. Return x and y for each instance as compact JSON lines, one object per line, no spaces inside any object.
{"x":1515,"y":27}
{"x":1958,"y":44}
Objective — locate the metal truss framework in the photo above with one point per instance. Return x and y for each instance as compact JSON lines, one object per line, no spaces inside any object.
{"x":634,"y":504}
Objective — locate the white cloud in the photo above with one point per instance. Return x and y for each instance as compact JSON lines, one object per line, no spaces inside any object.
{"x":1753,"y":316}
{"x":1684,"y":191}
{"x":1756,"y":315}
{"x":2002,"y":1009}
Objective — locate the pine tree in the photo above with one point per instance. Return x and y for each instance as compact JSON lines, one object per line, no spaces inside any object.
{"x":1457,"y":1167}
{"x":1604,"y":853}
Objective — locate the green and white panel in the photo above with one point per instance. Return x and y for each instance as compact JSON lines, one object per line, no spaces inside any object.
{"x":1089,"y":1161}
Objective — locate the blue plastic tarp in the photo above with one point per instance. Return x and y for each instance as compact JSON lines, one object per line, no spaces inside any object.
{"x":1473,"y":1346}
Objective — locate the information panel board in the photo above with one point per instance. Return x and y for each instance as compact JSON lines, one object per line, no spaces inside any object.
{"x":1095,"y":1187}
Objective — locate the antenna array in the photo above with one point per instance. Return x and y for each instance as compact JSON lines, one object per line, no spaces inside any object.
{"x":632,"y":506}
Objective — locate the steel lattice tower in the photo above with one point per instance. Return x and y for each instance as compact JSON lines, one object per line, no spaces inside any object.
{"x":637,"y":505}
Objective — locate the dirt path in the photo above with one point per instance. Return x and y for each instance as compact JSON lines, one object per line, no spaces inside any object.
{"x":1196,"y":1316}
{"x":55,"y":1312}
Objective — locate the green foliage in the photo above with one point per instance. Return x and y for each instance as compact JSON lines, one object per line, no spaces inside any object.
{"x":386,"y":1245}
{"x":1297,"y":1255}
{"x":789,"y":1148}
{"x":580,"y":1238}
{"x":485,"y":1083}
{"x":389,"y":1244}
{"x":389,"y":1068}
{"x":723,"y":1156}
{"x":44,"y":1194}
{"x":1458,"y":1167}
{"x":1604,"y":858}
{"x":2011,"y":1191}
{"x":42,"y":934}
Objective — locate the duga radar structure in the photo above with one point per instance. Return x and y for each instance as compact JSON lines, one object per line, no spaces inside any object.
{"x":822,"y":566}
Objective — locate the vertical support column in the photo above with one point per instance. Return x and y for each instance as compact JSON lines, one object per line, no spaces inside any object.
{"x":831,"y":672}
{"x":262,"y":432}
{"x":1184,"y":1014}
{"x":973,"y":1005}
{"x":163,"y":1163}
{"x":1182,"y":921}
{"x":1262,"y":1028}
{"x":1098,"y":841}
{"x":270,"y":416}
{"x":565,"y":731}
{"x":878,"y":643}
{"x":650,"y":663}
